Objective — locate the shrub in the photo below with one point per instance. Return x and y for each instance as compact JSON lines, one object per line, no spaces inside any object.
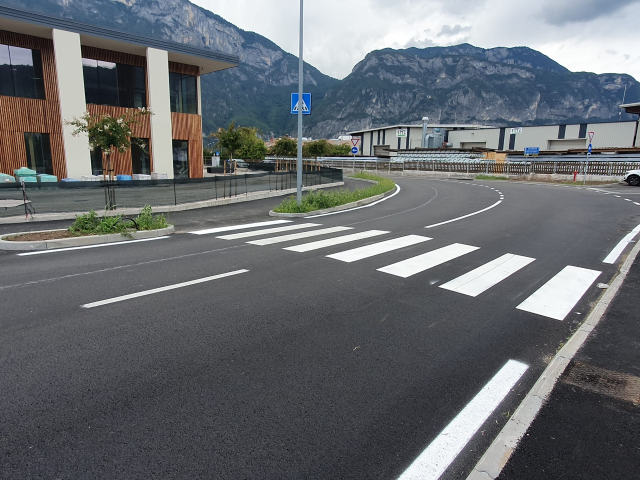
{"x":91,"y":224}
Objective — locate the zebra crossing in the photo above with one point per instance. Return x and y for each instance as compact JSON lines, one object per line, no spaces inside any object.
{"x":554,"y":299}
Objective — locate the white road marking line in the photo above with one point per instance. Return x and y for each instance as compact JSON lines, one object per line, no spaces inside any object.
{"x":296,"y":236}
{"x":618,"y":249}
{"x":465,"y":216}
{"x":428,"y":260}
{"x":161,"y":289}
{"x":267,"y":231}
{"x":627,"y":200}
{"x":483,"y":278}
{"x":358,"y":208}
{"x":84,"y":247}
{"x":636,"y":203}
{"x":558,"y":296}
{"x":238,"y":227}
{"x":437,"y":457}
{"x":617,"y":196}
{"x":367,"y":251}
{"x":307,"y":247}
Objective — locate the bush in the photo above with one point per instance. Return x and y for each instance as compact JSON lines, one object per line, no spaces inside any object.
{"x":320,"y":199}
{"x":91,"y":224}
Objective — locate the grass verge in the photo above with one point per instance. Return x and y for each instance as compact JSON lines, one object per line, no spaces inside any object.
{"x":320,"y":199}
{"x":491,"y":177}
{"x":91,"y":224}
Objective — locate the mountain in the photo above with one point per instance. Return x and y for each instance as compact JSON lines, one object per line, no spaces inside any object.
{"x":467,"y":84}
{"x":257,"y":93}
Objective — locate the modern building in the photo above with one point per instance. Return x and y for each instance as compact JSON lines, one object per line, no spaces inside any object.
{"x":53,"y":69}
{"x":618,"y":135}
{"x":378,"y":141}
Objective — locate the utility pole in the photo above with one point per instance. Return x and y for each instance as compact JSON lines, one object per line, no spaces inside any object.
{"x":300,"y":102}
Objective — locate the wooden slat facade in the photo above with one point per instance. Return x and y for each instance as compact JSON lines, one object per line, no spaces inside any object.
{"x":20,"y":115}
{"x":113,"y":57}
{"x":186,"y":126}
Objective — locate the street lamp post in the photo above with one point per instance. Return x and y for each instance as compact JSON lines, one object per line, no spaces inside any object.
{"x":300,"y":109}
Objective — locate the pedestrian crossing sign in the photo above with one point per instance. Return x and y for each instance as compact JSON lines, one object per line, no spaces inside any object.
{"x":306,"y":103}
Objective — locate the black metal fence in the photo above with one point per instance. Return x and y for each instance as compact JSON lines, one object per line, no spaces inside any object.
{"x":85,"y":196}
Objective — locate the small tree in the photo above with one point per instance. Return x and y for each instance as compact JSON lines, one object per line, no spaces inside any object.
{"x":252,"y":147}
{"x":285,"y":147}
{"x":341,"y":150}
{"x":229,"y":139}
{"x":319,"y":148}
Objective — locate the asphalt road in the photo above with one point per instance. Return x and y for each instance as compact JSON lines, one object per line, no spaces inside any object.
{"x":298,"y":365}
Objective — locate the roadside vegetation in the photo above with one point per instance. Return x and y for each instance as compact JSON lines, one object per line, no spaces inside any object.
{"x":321,"y":199}
{"x":91,"y":224}
{"x":491,"y":177}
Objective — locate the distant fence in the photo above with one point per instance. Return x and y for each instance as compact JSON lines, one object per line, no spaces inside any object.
{"x":84,"y":196}
{"x":476,"y":167}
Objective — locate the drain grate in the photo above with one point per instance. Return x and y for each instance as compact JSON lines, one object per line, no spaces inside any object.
{"x":605,"y":382}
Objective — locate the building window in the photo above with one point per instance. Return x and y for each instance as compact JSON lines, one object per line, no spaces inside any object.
{"x":114,"y":84}
{"x":96,"y":161}
{"x":21,"y":72}
{"x":38,"y":147}
{"x":184,"y":93}
{"x":140,"y":161}
{"x":181,"y":159}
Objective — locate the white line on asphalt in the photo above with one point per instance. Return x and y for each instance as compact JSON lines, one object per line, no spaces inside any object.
{"x":636,"y":203}
{"x":558,"y":296}
{"x":437,"y":457}
{"x":307,"y":247}
{"x":483,"y":278}
{"x":367,"y":251}
{"x":618,"y":249}
{"x":238,"y":227}
{"x":617,"y":196}
{"x":465,"y":216}
{"x":161,"y":289}
{"x":627,"y":200}
{"x":423,"y":262}
{"x":358,"y":208}
{"x":297,"y":236}
{"x":267,"y":231}
{"x":84,"y":247}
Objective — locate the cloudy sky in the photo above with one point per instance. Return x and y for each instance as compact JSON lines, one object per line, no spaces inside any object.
{"x":584,"y":35}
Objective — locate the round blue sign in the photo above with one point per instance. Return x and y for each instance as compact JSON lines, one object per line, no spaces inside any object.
{"x":354,"y":150}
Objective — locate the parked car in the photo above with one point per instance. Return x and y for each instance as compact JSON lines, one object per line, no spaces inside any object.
{"x":632,"y":177}
{"x":241,"y":164}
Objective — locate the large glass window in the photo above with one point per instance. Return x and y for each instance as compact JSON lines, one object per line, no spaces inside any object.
{"x":140,"y":161}
{"x":38,"y":147}
{"x":180,"y":159}
{"x":114,"y":84}
{"x":184,"y":93}
{"x":96,"y":161}
{"x":21,"y":72}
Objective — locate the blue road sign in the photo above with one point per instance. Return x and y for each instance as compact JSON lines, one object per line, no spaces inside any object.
{"x":590,"y":148}
{"x":532,"y":151}
{"x":306,"y":103}
{"x":354,"y":150}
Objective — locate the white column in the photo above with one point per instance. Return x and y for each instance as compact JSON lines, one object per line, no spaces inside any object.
{"x":160,"y":105}
{"x":68,"y":55}
{"x":199,"y":95}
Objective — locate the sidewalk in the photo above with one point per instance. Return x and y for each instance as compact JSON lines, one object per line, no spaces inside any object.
{"x":590,"y":426}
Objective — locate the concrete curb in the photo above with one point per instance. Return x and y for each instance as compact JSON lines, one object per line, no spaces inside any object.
{"x":77,"y":241}
{"x":498,"y":454}
{"x":339,"y":208}
{"x":48,"y":217}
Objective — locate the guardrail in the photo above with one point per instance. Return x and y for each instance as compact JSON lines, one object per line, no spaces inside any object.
{"x":599,"y":168}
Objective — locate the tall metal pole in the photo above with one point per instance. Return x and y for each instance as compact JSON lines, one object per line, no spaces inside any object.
{"x":300,"y":90}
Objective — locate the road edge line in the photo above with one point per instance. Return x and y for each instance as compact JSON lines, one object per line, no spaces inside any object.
{"x":497,"y":455}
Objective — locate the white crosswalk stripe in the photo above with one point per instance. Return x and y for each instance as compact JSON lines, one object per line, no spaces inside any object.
{"x":307,"y":247}
{"x":268,"y":231}
{"x":558,"y":296}
{"x":483,"y":278}
{"x":231,"y":228}
{"x":297,"y":236}
{"x":378,"y":248}
{"x":423,"y":262}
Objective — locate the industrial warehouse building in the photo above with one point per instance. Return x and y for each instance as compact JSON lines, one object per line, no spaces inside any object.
{"x":54,"y":69}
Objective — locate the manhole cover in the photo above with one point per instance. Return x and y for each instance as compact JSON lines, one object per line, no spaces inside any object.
{"x":606,"y":382}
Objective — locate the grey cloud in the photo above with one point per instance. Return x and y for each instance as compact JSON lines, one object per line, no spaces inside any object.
{"x":424,"y":43}
{"x":562,"y":12}
{"x":448,"y":30}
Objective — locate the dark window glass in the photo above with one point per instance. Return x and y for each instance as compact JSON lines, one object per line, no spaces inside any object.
{"x":21,"y":72}
{"x":38,"y":148}
{"x":583,"y":131}
{"x":96,"y":161}
{"x":184,"y":93}
{"x":512,"y":141}
{"x":114,"y":84}
{"x":180,"y":159}
{"x":140,"y":158}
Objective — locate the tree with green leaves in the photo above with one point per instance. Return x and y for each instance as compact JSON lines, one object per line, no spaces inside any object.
{"x":285,"y":147}
{"x":319,"y":148}
{"x":109,"y":134}
{"x":252,"y":147}
{"x":341,"y":150}
{"x":230,"y":138}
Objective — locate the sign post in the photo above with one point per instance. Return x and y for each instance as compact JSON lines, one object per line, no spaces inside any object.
{"x":300,"y":110}
{"x":586,"y":167}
